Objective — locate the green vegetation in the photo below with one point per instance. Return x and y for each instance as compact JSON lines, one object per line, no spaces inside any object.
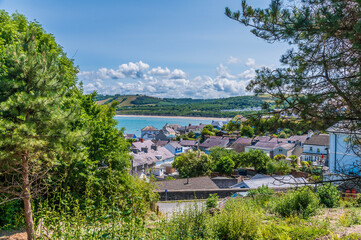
{"x":193,"y":164}
{"x":239,"y":218}
{"x":145,"y":105}
{"x":61,"y":154}
{"x":329,"y":195}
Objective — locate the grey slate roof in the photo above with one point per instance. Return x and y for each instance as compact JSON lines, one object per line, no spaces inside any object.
{"x":243,"y":141}
{"x":175,"y":144}
{"x":139,"y":145}
{"x":319,"y":140}
{"x":259,"y":180}
{"x":215,"y":142}
{"x":187,"y":143}
{"x":151,"y":156}
{"x":301,"y":138}
{"x":197,"y":183}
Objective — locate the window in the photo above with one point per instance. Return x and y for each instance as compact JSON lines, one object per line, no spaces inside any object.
{"x":311,"y":149}
{"x":318,"y":150}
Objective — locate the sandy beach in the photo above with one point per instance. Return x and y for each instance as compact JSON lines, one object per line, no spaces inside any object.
{"x":179,"y":117}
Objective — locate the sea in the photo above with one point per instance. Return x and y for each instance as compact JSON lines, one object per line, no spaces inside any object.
{"x":133,"y":125}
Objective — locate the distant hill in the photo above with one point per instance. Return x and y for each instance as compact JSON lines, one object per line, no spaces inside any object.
{"x":221,"y":107}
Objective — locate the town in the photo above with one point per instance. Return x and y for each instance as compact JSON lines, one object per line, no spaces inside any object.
{"x":309,"y":158}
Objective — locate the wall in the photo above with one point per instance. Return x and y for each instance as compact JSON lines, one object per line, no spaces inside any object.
{"x":342,"y":159}
{"x":204,"y":193}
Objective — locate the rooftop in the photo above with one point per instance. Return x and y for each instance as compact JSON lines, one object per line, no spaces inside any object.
{"x":149,"y":128}
{"x":197,"y":183}
{"x":320,"y":140}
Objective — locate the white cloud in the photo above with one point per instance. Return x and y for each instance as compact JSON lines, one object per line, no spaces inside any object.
{"x":232,"y":60}
{"x":251,"y":62}
{"x":140,"y":78}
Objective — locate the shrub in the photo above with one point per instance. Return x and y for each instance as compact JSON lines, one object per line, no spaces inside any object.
{"x":261,"y":195}
{"x":212,"y":201}
{"x":329,"y":195}
{"x":280,"y":157}
{"x":169,"y":178}
{"x":239,"y":219}
{"x":303,"y":202}
{"x":305,"y":164}
{"x":191,"y":223}
{"x":281,"y":167}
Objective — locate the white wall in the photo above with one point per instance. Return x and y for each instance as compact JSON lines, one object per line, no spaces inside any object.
{"x":342,"y":159}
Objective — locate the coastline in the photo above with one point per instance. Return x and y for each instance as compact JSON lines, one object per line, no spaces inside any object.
{"x":180,"y":117}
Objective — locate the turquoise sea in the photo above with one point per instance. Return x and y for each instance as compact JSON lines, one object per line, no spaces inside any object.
{"x":135,"y":124}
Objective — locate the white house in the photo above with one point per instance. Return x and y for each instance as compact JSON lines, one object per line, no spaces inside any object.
{"x":315,"y":149}
{"x":272,"y":149}
{"x":149,"y":132}
{"x":343,"y":156}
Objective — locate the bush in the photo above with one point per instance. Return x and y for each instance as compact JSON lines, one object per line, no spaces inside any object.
{"x":303,"y":202}
{"x":212,"y":201}
{"x":261,"y":194}
{"x":239,"y":219}
{"x":281,"y":167}
{"x":305,"y":164}
{"x":280,"y":157}
{"x":329,"y":195}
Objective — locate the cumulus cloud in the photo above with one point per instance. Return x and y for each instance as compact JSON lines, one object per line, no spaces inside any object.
{"x":251,"y":62}
{"x":232,"y":60}
{"x":140,"y":78}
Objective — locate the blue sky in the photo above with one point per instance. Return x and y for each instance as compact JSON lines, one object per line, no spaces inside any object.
{"x":161,"y":48}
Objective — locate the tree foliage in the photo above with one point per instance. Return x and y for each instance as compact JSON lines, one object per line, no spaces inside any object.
{"x":255,"y":158}
{"x":321,"y":77}
{"x":193,"y":164}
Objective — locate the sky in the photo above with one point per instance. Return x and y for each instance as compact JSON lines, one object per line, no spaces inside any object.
{"x":160,"y":48}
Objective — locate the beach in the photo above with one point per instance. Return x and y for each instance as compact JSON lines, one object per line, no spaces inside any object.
{"x":176,"y":117}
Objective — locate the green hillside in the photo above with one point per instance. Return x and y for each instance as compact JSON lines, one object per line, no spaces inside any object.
{"x":221,"y":107}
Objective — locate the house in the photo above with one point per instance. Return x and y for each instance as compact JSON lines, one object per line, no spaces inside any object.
{"x":188,"y":143}
{"x":218,"y":124}
{"x":161,"y":136}
{"x":155,"y":159}
{"x":149,"y":132}
{"x":174,"y":147}
{"x":160,"y":143}
{"x":175,"y":127}
{"x":272,"y":149}
{"x":197,"y":129}
{"x":315,"y":149}
{"x":213,"y":141}
{"x":130,"y":136}
{"x":259,"y":180}
{"x":240,"y":144}
{"x":300,"y":140}
{"x":344,"y":157}
{"x":141,"y":146}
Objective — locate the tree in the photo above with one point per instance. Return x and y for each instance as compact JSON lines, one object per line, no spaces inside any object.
{"x":193,"y":164}
{"x":321,"y":79}
{"x":247,"y":131}
{"x":224,"y":165}
{"x":255,"y":158}
{"x":37,"y":110}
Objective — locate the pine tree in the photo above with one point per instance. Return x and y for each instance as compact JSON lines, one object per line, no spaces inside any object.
{"x":37,"y":110}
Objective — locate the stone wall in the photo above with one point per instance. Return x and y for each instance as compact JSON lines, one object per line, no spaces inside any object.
{"x":203,"y":194}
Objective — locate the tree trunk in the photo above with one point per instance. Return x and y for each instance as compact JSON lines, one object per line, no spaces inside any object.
{"x":27,"y":199}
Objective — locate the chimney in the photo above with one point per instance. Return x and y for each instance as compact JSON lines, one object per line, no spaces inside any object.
{"x":187,"y":179}
{"x":141,"y":140}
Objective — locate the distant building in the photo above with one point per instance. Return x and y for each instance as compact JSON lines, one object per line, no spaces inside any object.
{"x":174,"y":147}
{"x":149,"y":132}
{"x":154,"y":160}
{"x":130,"y":136}
{"x":213,"y":142}
{"x":272,"y":149}
{"x":344,"y":156}
{"x":315,"y":149}
{"x":240,"y":144}
{"x":218,"y":124}
{"x":188,"y":143}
